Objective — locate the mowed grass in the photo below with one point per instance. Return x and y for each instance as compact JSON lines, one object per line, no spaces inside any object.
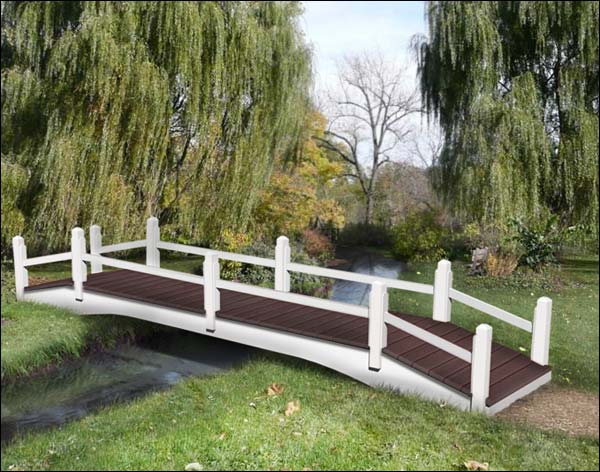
{"x":574,"y":336}
{"x":229,"y":422}
{"x":36,"y":336}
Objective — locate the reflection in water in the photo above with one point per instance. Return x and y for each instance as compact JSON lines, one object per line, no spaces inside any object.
{"x":363,"y":262}
{"x":77,"y":388}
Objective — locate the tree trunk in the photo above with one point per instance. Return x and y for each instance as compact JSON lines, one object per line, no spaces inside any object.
{"x":369,"y":209}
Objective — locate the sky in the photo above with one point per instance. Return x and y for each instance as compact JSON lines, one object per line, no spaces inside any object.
{"x":335,"y":29}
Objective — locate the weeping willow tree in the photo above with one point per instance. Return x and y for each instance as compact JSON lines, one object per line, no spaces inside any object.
{"x":115,"y":111}
{"x":515,"y":88}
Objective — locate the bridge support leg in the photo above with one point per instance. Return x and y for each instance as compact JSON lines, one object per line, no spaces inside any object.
{"x":282,"y":259}
{"x":212,"y":297}
{"x":95,"y":247}
{"x":441,"y":291}
{"x":152,"y":239}
{"x":480,"y":366}
{"x":540,"y":337}
{"x":78,"y":267}
{"x":19,"y":258}
{"x":378,"y":307}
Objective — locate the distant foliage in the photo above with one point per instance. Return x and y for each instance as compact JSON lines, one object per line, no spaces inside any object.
{"x":317,"y":245}
{"x":297,"y":196}
{"x":419,"y":238}
{"x":116,"y":111}
{"x":515,"y":88}
{"x":362,"y":234}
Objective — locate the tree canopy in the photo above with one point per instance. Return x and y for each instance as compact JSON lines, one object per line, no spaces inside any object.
{"x":115,"y":111}
{"x":515,"y":88}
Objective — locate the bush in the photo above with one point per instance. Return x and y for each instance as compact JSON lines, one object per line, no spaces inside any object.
{"x":539,"y":242}
{"x":317,"y":245}
{"x":501,"y":264}
{"x":361,"y":234}
{"x":418,"y":238}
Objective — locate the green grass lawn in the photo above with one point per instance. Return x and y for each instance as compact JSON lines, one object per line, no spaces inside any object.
{"x":228,"y":422}
{"x":341,"y":425}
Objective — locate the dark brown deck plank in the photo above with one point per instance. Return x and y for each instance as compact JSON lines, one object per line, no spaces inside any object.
{"x":510,"y":369}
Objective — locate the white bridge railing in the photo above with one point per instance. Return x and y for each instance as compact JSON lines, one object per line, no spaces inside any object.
{"x":377,"y":312}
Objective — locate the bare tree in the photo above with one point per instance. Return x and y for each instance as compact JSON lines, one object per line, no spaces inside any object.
{"x":369,"y":119}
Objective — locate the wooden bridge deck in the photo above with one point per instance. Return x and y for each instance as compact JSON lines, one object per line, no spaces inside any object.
{"x":510,"y":370}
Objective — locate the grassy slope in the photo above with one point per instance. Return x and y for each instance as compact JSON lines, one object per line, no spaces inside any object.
{"x":341,"y":425}
{"x":574,"y":339}
{"x":34,"y":335}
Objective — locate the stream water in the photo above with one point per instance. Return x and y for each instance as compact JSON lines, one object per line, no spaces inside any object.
{"x":79,"y":387}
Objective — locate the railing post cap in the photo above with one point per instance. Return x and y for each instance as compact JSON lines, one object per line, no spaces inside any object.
{"x":282,"y":240}
{"x":378,"y":283}
{"x":211,"y":253}
{"x":95,"y":227}
{"x":483,"y":328}
{"x":444,"y":264}
{"x":544,"y":300}
{"x":18,"y":240}
{"x":77,"y":232}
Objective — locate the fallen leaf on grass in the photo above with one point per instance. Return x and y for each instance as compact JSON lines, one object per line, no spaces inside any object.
{"x":221,"y":436}
{"x":474,"y":465}
{"x":274,"y":389}
{"x":292,"y":407}
{"x":193,"y":466}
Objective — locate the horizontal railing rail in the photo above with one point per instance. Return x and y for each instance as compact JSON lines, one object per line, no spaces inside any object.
{"x":360,"y":278}
{"x":141,"y":243}
{"x":60,"y":257}
{"x":434,"y":339}
{"x":376,"y":312}
{"x":491,"y":310}
{"x":230,"y":256}
{"x":306,"y":300}
{"x":144,"y":269}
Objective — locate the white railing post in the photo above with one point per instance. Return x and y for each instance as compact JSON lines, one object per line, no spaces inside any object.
{"x":282,"y":259}
{"x":19,"y":258}
{"x":78,"y":267}
{"x":212,"y":297}
{"x":95,"y":246}
{"x":378,"y":307}
{"x":480,"y":366}
{"x":540,"y":337}
{"x":441,"y":291}
{"x":152,"y":239}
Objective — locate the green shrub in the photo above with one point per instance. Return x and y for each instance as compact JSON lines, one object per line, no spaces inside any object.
{"x":419,"y":238}
{"x":539,"y":242}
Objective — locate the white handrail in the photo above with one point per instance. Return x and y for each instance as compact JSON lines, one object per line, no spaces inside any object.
{"x":306,"y":300}
{"x":134,"y":266}
{"x":231,"y":256}
{"x":491,"y":310}
{"x":428,"y":337}
{"x":361,"y":278}
{"x":60,"y":257}
{"x":123,"y":246}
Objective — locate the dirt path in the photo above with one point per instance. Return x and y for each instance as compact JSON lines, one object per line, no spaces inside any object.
{"x":557,"y":408}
